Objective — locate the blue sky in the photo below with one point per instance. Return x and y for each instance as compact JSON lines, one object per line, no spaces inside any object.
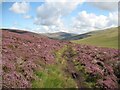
{"x":43,"y":16}
{"x":10,"y":18}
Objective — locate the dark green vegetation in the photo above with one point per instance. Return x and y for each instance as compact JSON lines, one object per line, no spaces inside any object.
{"x":117,"y":71}
{"x":105,"y":38}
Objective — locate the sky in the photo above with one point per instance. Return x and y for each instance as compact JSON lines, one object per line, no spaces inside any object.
{"x":46,"y":16}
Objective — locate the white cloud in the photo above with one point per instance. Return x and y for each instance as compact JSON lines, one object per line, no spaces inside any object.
{"x":50,"y":13}
{"x":50,"y":16}
{"x":20,"y":7}
{"x":27,"y":16}
{"x":113,"y":19}
{"x":50,"y":29}
{"x":102,"y":1}
{"x":85,"y":22}
{"x":42,"y":29}
{"x":109,"y":6}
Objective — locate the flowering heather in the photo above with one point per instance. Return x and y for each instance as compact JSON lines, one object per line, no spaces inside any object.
{"x":100,"y":61}
{"x":24,"y":53}
{"x":20,"y":52}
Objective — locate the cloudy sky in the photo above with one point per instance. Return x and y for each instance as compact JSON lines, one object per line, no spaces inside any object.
{"x":75,"y":16}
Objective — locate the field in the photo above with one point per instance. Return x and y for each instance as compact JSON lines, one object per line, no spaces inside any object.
{"x":106,"y":38}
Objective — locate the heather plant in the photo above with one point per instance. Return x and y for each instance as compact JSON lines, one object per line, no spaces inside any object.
{"x":117,"y":71}
{"x":96,"y":61}
{"x":89,"y":79}
{"x":33,"y":61}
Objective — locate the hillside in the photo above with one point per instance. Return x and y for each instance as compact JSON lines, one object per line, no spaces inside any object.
{"x":104,"y":38}
{"x":84,"y":35}
{"x":59,"y":35}
{"x":30,"y":60}
{"x":77,"y":37}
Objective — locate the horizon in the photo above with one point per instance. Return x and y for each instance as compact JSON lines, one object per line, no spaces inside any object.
{"x":57,"y":31}
{"x":72,"y":17}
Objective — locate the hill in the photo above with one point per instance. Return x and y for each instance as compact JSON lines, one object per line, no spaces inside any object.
{"x":82,"y":36}
{"x":31,"y":60}
{"x":77,"y":37}
{"x":59,"y":35}
{"x":104,"y":38}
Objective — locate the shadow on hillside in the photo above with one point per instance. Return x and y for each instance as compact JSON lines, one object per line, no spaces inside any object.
{"x":15,"y":31}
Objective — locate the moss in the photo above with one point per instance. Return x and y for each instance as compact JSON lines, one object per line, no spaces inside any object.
{"x":5,"y":69}
{"x":12,"y":46}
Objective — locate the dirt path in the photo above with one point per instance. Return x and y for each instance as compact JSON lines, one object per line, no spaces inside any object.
{"x":72,"y":70}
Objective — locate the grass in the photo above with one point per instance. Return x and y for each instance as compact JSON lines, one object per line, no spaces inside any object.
{"x":48,"y":79}
{"x":106,"y":38}
{"x":53,"y":76}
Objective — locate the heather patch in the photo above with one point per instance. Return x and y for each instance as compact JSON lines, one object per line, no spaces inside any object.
{"x":34,"y":61}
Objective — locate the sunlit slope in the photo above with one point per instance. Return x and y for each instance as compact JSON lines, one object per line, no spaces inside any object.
{"x":105,"y":38}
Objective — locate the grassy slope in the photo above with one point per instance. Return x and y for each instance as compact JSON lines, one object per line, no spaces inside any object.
{"x":106,"y":38}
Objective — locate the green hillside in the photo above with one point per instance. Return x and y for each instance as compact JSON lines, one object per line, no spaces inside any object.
{"x":104,"y":38}
{"x":59,"y":35}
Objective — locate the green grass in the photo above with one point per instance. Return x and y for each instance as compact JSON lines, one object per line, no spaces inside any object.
{"x":53,"y":76}
{"x":106,"y":38}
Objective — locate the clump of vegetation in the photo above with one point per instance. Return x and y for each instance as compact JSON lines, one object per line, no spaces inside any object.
{"x":12,"y":46}
{"x":90,"y":79}
{"x":117,"y":71}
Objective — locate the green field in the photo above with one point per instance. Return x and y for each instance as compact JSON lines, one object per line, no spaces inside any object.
{"x":104,"y":38}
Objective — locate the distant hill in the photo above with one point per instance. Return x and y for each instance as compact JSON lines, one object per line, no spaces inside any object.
{"x":77,"y":37}
{"x":103,"y":38}
{"x":21,"y":32}
{"x":59,"y":35}
{"x":85,"y":35}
